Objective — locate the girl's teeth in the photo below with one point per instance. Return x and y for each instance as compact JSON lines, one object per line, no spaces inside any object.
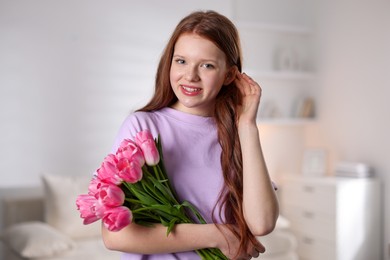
{"x":191,"y":89}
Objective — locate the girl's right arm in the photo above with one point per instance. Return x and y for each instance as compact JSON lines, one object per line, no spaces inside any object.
{"x":154,"y":240}
{"x":184,"y":237}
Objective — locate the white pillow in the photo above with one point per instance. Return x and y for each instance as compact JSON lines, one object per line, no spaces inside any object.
{"x":60,"y":205}
{"x":36,"y":239}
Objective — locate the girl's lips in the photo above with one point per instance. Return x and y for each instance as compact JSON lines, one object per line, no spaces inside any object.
{"x":190,"y":91}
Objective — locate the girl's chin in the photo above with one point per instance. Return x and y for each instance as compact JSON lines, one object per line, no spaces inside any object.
{"x":192,"y":109}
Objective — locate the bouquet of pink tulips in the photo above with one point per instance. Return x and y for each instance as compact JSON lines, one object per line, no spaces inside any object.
{"x":132,"y":186}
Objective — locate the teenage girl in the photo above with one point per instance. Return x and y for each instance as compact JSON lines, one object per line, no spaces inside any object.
{"x":204,"y":108}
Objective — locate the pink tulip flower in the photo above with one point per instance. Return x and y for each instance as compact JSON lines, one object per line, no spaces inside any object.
{"x":117,"y":218}
{"x":128,"y":149}
{"x":90,"y":208}
{"x":94,"y":186}
{"x":145,"y":141}
{"x":108,"y":171}
{"x":129,"y":171}
{"x":111,"y":195}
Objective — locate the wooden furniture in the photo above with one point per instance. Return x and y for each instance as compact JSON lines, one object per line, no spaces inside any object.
{"x":334,"y":218}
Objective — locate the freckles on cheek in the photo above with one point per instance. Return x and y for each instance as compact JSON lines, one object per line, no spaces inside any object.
{"x":173,"y":74}
{"x":171,"y":77}
{"x":175,"y":77}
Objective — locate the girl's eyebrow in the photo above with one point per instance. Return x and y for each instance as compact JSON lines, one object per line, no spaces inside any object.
{"x":202,"y":60}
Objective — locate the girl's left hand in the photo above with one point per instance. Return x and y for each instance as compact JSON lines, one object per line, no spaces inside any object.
{"x":251,"y":94}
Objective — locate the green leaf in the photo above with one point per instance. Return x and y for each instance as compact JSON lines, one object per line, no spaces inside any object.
{"x":149,"y":188}
{"x":164,"y":222}
{"x":172,"y":224}
{"x":143,"y":197}
{"x":194,"y":211}
{"x":165,"y":208}
{"x":166,"y":195}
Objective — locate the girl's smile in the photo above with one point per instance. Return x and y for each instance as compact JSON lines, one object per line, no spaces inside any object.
{"x":190,"y":91}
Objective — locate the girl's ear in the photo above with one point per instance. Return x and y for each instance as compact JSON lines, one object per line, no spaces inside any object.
{"x":230,"y":76}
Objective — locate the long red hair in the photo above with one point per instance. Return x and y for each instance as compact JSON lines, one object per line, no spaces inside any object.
{"x":222,"y":32}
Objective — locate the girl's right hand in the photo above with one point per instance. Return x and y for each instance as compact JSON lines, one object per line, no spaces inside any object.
{"x":230,"y":246}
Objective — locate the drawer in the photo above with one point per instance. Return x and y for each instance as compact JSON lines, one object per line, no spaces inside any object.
{"x":314,"y":249}
{"x":316,"y":224}
{"x":317,"y":198}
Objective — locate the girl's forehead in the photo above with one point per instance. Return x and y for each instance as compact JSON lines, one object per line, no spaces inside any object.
{"x":193,"y":37}
{"x":192,"y":43}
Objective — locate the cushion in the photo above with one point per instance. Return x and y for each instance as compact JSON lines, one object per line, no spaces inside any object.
{"x":36,"y":239}
{"x":60,"y":205}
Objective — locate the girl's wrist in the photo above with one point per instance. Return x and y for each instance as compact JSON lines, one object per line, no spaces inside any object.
{"x":247,"y":120}
{"x":247,"y":126}
{"x":215,"y":236}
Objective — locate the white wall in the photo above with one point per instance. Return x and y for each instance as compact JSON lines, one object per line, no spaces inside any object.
{"x":354,"y":57}
{"x":70,"y":71}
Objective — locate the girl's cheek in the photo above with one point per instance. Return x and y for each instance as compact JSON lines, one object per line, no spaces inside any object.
{"x":172,"y":74}
{"x":176,"y":74}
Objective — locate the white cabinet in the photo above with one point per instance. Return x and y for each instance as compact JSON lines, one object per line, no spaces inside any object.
{"x":280,"y":58}
{"x":333,"y":218}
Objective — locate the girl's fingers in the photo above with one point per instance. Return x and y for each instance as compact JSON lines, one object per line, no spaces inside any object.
{"x":260,"y":247}
{"x":247,"y":85}
{"x":243,"y":84}
{"x":240,"y":83}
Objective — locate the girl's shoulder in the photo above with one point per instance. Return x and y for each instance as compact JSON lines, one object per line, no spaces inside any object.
{"x":157,"y":122}
{"x":139,"y":116}
{"x":139,"y":120}
{"x":167,"y":120}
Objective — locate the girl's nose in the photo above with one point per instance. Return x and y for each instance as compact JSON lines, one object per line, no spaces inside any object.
{"x":192,"y":74}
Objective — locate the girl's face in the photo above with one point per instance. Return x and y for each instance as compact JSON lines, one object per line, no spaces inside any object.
{"x":198,"y":72}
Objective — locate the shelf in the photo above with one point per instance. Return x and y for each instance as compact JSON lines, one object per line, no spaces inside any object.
{"x":280,"y":28}
{"x":274,"y":34}
{"x":286,"y":121}
{"x":281,"y":75}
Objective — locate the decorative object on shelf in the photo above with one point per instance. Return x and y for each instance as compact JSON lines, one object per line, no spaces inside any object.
{"x":269,"y":109}
{"x":314,"y":162}
{"x":353,"y":169}
{"x":286,"y":58}
{"x":304,"y":108}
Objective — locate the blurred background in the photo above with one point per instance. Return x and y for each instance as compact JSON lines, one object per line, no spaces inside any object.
{"x":70,"y":72}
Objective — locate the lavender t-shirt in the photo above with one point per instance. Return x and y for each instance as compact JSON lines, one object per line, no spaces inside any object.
{"x":192,"y":159}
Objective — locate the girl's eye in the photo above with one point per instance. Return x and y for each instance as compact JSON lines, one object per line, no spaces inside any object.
{"x":208,"y":66}
{"x":180,"y":61}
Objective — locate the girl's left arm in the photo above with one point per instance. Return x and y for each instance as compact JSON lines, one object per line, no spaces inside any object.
{"x":260,"y":204}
